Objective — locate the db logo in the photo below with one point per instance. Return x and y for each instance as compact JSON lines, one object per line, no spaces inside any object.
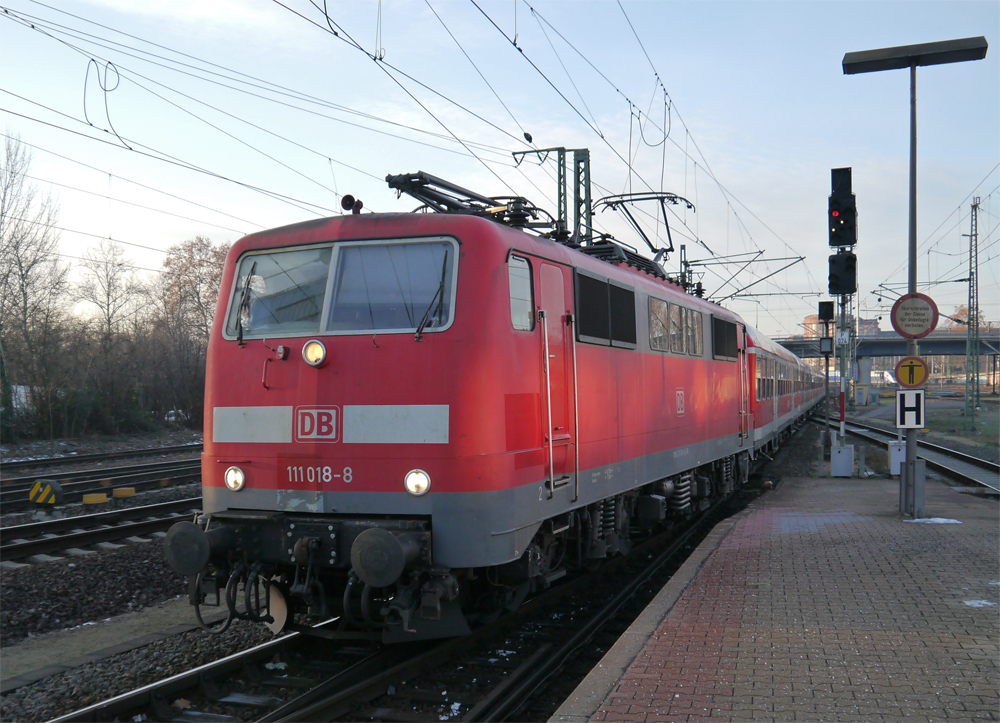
{"x":316,"y":424}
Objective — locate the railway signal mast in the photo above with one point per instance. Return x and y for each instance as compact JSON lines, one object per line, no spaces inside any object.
{"x":842,"y":220}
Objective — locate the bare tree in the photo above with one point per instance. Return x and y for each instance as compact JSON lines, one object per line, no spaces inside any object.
{"x":192,"y":273}
{"x":33,"y":288}
{"x":186,"y":299}
{"x":136,"y":352}
{"x":112,"y":287}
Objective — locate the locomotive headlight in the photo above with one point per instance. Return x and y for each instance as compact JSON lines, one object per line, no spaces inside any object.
{"x":417,"y":482}
{"x":314,"y":353}
{"x":234,"y":479}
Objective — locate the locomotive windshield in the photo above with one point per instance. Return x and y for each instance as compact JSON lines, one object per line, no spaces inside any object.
{"x":349,"y":287}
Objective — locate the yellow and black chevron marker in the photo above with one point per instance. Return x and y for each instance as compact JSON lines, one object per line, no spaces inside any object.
{"x":46,"y":493}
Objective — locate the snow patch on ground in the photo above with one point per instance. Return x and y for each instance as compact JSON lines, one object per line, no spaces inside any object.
{"x":937,"y":521}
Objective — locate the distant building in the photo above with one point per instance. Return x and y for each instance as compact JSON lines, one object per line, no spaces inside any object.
{"x":868,"y":327}
{"x":813,"y":326}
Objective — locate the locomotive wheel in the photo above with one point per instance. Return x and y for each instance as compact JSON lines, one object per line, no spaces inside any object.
{"x":277,"y":609}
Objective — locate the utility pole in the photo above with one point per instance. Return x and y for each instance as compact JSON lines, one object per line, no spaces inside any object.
{"x":972,"y":328}
{"x":912,"y":57}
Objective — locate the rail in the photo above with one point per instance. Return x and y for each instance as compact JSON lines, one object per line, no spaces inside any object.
{"x":963,"y":466}
{"x":14,"y":494}
{"x":19,"y":464}
{"x":22,"y":541}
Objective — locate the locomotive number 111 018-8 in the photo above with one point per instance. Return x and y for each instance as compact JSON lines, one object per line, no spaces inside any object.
{"x":299,"y":473}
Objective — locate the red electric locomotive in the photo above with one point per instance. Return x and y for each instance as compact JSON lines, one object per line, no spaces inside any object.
{"x":415,"y":420}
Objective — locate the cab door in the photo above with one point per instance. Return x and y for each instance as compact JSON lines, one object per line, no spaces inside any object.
{"x":745,"y":385}
{"x":556,"y":348}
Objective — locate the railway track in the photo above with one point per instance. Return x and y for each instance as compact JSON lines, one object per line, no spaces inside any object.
{"x":14,"y":494}
{"x":488,"y":675}
{"x":19,"y":465}
{"x":20,"y":542}
{"x":967,"y":468}
{"x":304,"y":677}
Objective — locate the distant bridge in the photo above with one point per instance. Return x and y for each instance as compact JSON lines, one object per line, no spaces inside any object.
{"x":889,"y":343}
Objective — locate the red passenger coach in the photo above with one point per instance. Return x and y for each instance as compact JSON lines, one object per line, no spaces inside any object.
{"x":415,"y":420}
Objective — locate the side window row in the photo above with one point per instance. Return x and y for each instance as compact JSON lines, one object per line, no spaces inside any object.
{"x":675,"y":328}
{"x":606,"y":315}
{"x":775,"y":378}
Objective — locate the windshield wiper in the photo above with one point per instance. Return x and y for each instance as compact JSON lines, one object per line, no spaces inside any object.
{"x":438,"y":293}
{"x":244,"y":297}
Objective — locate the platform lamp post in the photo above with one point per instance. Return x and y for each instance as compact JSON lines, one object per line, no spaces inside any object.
{"x":912,"y":56}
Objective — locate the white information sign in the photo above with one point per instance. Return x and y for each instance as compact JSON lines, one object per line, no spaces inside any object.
{"x":914,"y":316}
{"x":910,"y":409}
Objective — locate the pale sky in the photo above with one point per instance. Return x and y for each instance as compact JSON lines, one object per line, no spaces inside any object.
{"x":740,"y":107}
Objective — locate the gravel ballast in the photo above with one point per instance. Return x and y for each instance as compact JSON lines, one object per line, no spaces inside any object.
{"x":56,"y":595}
{"x":60,"y":694}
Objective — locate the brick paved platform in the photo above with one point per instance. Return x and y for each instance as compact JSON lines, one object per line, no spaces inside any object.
{"x":819,"y":603}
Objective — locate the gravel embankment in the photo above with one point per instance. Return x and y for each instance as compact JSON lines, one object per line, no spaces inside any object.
{"x":57,"y":595}
{"x":66,"y":448}
{"x":60,"y":694}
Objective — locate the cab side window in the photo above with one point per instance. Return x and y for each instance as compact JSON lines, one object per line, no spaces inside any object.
{"x":521,"y":302}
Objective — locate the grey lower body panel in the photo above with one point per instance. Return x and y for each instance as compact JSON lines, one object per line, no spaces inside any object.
{"x":480,"y":529}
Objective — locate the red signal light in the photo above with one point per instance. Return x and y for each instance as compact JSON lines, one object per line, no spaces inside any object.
{"x":835,"y":213}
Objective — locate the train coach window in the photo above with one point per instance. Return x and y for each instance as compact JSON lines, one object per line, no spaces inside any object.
{"x":392,"y":287}
{"x":606,"y":312}
{"x":724,"y":344}
{"x":622,"y":316}
{"x":677,"y":329}
{"x":693,"y":332}
{"x":521,"y":302}
{"x":593,"y":307}
{"x":659,"y":324}
{"x":279,"y":293}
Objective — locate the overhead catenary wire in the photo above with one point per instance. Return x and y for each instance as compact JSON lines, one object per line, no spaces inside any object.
{"x":480,"y":72}
{"x":107,"y":89}
{"x":209,"y":105}
{"x":958,"y":209}
{"x":726,"y":194}
{"x":384,"y":67}
{"x":85,"y":233}
{"x":172,"y":51}
{"x":131,"y":203}
{"x":161,"y":156}
{"x":128,"y":180}
{"x":571,"y":105}
{"x":260,"y":84}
